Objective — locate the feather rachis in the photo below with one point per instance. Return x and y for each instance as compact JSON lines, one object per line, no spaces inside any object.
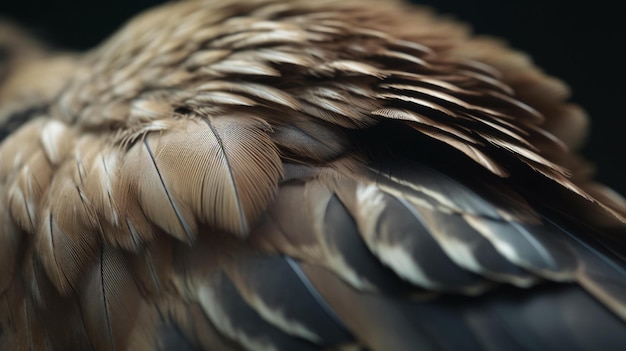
{"x":401,"y":167}
{"x":214,"y":175}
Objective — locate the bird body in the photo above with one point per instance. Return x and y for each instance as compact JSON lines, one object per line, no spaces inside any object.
{"x":270,"y":175}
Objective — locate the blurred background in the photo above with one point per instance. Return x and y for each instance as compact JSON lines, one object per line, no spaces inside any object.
{"x":583,"y":43}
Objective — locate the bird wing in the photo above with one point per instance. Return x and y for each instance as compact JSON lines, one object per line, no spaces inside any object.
{"x":262,"y":175}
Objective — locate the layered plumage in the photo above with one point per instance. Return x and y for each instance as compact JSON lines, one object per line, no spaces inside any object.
{"x":269,"y":175}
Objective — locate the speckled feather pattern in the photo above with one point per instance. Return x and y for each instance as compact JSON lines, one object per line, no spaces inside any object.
{"x":270,"y":175}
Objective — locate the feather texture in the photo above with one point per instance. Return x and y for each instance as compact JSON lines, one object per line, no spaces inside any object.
{"x":270,"y":175}
{"x":227,"y":183}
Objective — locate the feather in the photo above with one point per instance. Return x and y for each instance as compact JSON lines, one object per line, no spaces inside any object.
{"x":237,"y":167}
{"x":221,"y":98}
{"x":263,"y":92}
{"x":26,"y":194}
{"x":10,"y":246}
{"x":411,"y":116}
{"x":205,"y":58}
{"x":56,"y":141}
{"x":310,"y":138}
{"x":472,"y":152}
{"x":149,"y":109}
{"x":275,"y":55}
{"x":49,"y":305}
{"x":393,"y":231}
{"x":471,"y":250}
{"x":100,"y":188}
{"x":535,"y":247}
{"x":27,"y":329}
{"x":12,"y":155}
{"x":446,"y":98}
{"x":531,"y":247}
{"x":154,"y":267}
{"x":554,"y":317}
{"x":263,"y":175}
{"x":357,"y":311}
{"x":348,"y":67}
{"x":600,"y":273}
{"x":287,"y":300}
{"x":66,"y":239}
{"x":223,"y":304}
{"x":109,"y":301}
{"x":327,"y":234}
{"x":196,"y":326}
{"x":261,"y":38}
{"x":422,"y":103}
{"x":403,"y":57}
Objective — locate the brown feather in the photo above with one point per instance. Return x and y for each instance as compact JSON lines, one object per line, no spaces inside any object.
{"x":109,"y":301}
{"x":223,"y":161}
{"x":67,"y":236}
{"x":266,"y":175}
{"x":10,"y":247}
{"x":28,"y":332}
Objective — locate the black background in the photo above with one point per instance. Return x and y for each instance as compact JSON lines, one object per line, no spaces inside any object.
{"x":582,"y":43}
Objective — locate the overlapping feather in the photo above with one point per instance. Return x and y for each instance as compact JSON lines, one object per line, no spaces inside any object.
{"x":262,"y":175}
